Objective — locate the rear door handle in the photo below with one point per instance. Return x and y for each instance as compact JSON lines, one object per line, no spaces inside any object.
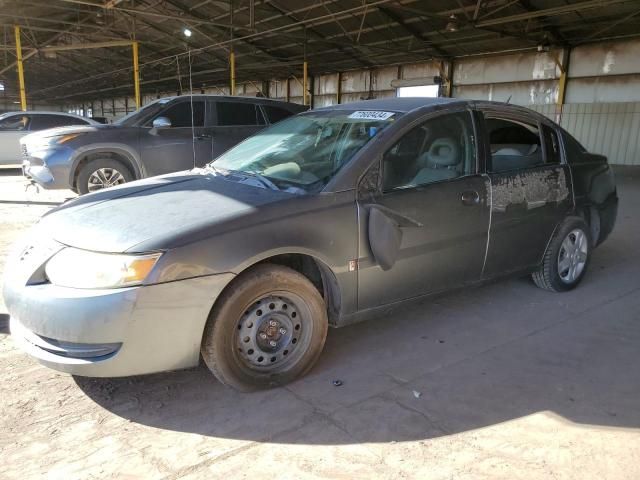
{"x":470,"y":197}
{"x":202,"y":137}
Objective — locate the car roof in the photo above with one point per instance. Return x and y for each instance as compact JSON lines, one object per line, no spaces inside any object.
{"x":410,"y":104}
{"x":42,"y":112}
{"x":231,"y":97}
{"x":396,"y":104}
{"x":45,"y":112}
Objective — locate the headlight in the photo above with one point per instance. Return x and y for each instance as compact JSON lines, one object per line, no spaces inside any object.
{"x":83,"y":269}
{"x":59,"y":140}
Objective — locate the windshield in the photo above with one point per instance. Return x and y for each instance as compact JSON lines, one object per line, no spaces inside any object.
{"x":304,"y":152}
{"x":143,"y":113}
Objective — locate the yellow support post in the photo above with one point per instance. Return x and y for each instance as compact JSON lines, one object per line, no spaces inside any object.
{"x":304,"y":83}
{"x":23,"y":95}
{"x":136,"y":74}
{"x":232,"y":73}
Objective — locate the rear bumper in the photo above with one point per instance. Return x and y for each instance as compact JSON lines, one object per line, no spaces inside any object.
{"x":608,"y":212}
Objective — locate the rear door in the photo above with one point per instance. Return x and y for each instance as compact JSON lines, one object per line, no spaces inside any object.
{"x":530,"y":189}
{"x":182,"y":145}
{"x":426,"y":230}
{"x":234,"y":121}
{"x":12,"y":128}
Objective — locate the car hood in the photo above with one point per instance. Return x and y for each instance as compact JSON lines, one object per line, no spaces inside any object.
{"x":38,"y":137}
{"x":158,"y":211}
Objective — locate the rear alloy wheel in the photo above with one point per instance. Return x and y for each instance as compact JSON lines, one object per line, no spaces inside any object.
{"x":102,"y":173}
{"x":567,"y":257}
{"x":266,"y":329}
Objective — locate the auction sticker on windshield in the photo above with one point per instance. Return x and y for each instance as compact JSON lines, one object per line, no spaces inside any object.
{"x":371,"y":115}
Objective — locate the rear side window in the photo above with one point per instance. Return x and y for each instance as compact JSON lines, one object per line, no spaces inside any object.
{"x":573,"y":148}
{"x":515,"y":144}
{"x":42,"y":122}
{"x":551,"y":145}
{"x":275,"y":114}
{"x":15,"y":123}
{"x":180,"y":114}
{"x":238,"y":113}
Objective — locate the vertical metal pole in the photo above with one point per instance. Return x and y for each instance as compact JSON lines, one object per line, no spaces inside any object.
{"x":232,"y":55}
{"x":136,"y":74}
{"x":449,"y":84}
{"x":232,"y":72}
{"x":304,"y":83}
{"x":562,"y":83}
{"x":23,"y":95}
{"x":304,"y":71}
{"x":339,"y":92}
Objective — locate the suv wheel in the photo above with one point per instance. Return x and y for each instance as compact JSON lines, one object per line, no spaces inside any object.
{"x":566,"y":259}
{"x":267,"y":329}
{"x":102,"y":173}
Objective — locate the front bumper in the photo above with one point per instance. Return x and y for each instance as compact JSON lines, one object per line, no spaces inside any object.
{"x":112,"y":332}
{"x":49,"y":168}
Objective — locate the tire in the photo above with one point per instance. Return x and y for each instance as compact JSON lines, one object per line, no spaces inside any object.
{"x":567,"y":257}
{"x":106,"y":170}
{"x":266,"y":329}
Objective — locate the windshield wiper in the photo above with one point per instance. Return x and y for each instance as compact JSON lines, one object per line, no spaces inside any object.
{"x":262,"y":179}
{"x":226,"y":173}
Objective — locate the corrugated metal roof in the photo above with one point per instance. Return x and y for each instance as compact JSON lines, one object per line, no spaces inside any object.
{"x":271,"y":38}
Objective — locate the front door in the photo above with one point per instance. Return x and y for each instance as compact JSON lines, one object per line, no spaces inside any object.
{"x":530,"y":190}
{"x":426,"y":230}
{"x":178,"y":146}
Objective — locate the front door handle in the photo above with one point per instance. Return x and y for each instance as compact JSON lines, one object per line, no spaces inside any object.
{"x":470,"y":197}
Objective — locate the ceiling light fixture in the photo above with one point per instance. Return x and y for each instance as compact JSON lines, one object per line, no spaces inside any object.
{"x":186,"y":32}
{"x":452,"y":26}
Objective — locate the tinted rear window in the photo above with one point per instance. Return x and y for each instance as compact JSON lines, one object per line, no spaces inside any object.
{"x":238,"y":113}
{"x":275,"y":114}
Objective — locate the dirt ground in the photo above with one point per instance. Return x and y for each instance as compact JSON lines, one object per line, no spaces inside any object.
{"x":505,"y":381}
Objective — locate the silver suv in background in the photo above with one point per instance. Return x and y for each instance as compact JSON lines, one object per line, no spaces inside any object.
{"x":15,"y":125}
{"x":168,"y":135}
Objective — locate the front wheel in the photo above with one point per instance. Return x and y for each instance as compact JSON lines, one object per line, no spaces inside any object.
{"x":267,"y":328}
{"x":102,"y":173}
{"x":566,"y":259}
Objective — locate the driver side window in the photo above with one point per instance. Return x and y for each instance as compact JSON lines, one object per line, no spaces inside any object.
{"x":440,"y":149}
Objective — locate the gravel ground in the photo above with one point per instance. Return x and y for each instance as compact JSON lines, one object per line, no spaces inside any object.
{"x":504,"y":382}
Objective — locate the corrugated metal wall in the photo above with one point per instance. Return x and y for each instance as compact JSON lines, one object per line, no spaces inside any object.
{"x":602,"y":94}
{"x":612,"y":129}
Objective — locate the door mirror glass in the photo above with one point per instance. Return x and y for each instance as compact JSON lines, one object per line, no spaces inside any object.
{"x":161,"y":122}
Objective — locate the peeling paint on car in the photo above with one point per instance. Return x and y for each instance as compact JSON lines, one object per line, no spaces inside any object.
{"x":532,"y":188}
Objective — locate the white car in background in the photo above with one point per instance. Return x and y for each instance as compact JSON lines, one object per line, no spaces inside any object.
{"x":15,"y":125}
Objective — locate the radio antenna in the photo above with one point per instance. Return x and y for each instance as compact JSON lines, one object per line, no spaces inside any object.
{"x":193,"y":127}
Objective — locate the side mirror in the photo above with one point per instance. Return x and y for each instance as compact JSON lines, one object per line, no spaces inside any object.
{"x":161,"y":122}
{"x":385,"y":234}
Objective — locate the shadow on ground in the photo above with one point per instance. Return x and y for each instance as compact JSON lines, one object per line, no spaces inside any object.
{"x":466,"y":361}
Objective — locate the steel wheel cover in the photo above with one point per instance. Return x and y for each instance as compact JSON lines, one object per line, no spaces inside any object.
{"x":274,"y":330}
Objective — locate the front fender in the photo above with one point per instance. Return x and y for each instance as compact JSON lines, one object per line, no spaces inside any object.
{"x":124,"y":150}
